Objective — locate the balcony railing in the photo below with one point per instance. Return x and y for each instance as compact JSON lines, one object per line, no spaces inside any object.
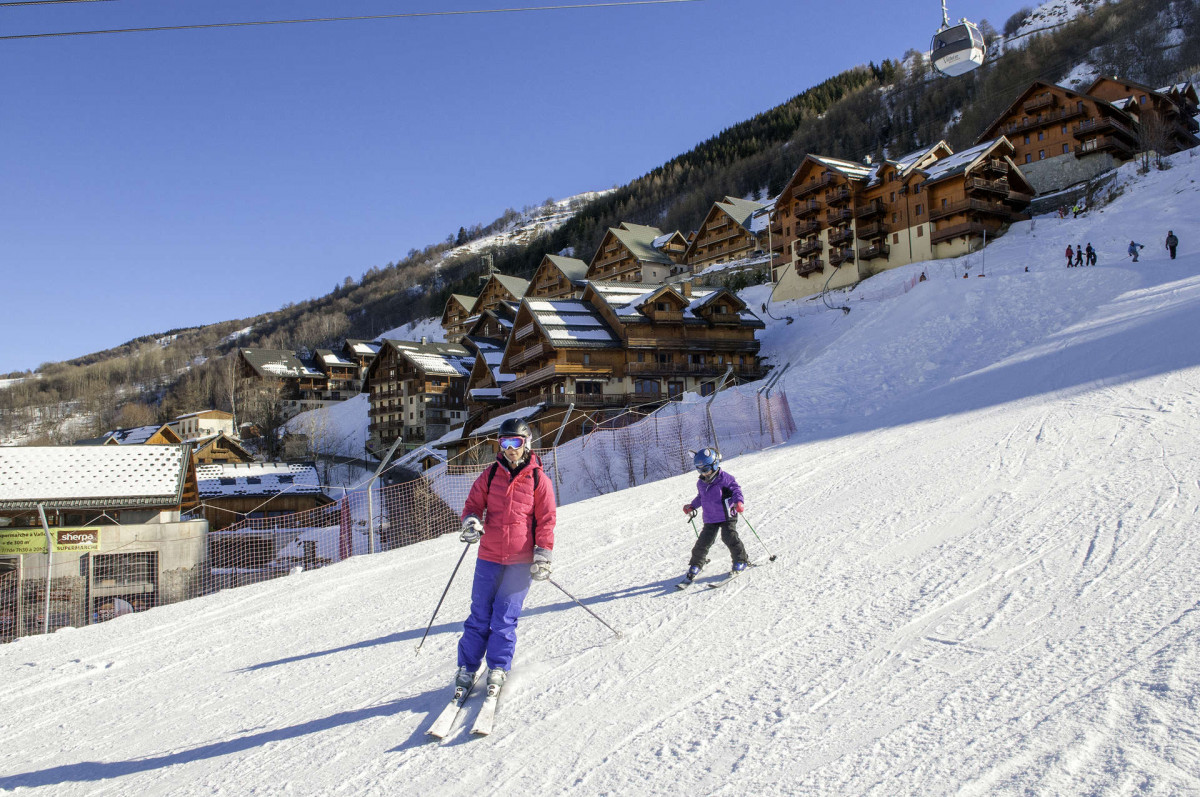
{"x":839,"y":256}
{"x":552,"y":370}
{"x":839,"y":216}
{"x":807,"y":248}
{"x":875,"y":229}
{"x":807,"y":208}
{"x":871,"y":208}
{"x":1103,"y":124}
{"x":1104,"y":144}
{"x":979,"y":184}
{"x":838,"y":195}
{"x":840,"y":236}
{"x":873,"y":251}
{"x":820,"y":182}
{"x":1039,"y":102}
{"x":806,"y":267}
{"x":969,"y":205}
{"x":1047,"y":119}
{"x":804,"y":228}
{"x":956,"y":230}
{"x":996,"y":165}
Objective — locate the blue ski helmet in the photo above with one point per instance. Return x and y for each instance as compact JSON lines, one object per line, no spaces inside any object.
{"x":708,"y":462}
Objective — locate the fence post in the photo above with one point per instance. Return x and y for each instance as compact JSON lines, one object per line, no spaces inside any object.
{"x":712,"y":428}
{"x":49,"y":563}
{"x":370,"y":497}
{"x":562,"y":427}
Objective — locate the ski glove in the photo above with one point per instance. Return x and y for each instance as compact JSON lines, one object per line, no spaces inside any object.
{"x":472,"y":530}
{"x":540,"y":569}
{"x":687,"y":509}
{"x":739,"y":508}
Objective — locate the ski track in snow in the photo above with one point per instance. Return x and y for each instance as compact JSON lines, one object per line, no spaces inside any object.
{"x":986,"y":584}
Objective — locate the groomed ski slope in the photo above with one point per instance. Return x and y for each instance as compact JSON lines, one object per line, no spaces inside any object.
{"x":987,"y":584}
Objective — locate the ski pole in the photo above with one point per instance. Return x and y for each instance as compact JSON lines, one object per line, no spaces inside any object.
{"x":586,"y":609}
{"x":692,"y":520}
{"x":771,"y":557}
{"x":466,"y":548}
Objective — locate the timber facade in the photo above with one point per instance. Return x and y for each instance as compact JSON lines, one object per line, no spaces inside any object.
{"x":416,"y":392}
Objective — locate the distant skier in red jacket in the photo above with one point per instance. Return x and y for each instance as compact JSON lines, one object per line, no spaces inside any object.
{"x":515,"y":498}
{"x":1070,"y":256}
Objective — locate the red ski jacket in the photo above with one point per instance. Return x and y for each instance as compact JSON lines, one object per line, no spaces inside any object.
{"x":520,"y":511}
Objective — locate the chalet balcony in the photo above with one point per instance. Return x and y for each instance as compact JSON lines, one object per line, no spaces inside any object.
{"x":839,"y":256}
{"x":725,"y":319}
{"x":1105,"y":125}
{"x":840,"y":236}
{"x":779,"y":261}
{"x":816,"y":185}
{"x":806,"y":267}
{"x":839,"y":195}
{"x":1018,"y":198}
{"x":1047,"y":119}
{"x":807,"y":248}
{"x":1114,"y":146}
{"x":804,"y":228}
{"x":970,"y":206}
{"x":524,"y":332}
{"x":873,"y":251}
{"x":1039,"y":102}
{"x":551,"y":371}
{"x":871,"y":208}
{"x":988,"y":186}
{"x":996,"y":166}
{"x":807,"y":208}
{"x":691,"y":369}
{"x":839,"y":216}
{"x":956,"y":230}
{"x":876,"y":229}
{"x":667,"y":316}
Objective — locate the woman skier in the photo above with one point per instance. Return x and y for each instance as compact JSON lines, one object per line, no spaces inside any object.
{"x":516,"y":537}
{"x":720,"y":498}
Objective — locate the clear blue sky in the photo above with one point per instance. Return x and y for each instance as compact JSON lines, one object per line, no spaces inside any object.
{"x":159,"y":180}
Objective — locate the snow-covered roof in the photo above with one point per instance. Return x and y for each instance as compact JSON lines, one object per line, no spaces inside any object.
{"x":572,"y":323}
{"x":639,"y":240}
{"x":283,"y":364}
{"x":132,"y":437}
{"x":741,"y":210}
{"x":855,"y":171}
{"x":330,"y":358}
{"x":363,"y":348}
{"x":953,"y":164}
{"x":573,"y":268}
{"x":92,"y":476}
{"x":438,"y":359}
{"x":257,"y":478}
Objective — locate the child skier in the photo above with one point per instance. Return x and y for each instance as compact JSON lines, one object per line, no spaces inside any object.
{"x":720,"y":498}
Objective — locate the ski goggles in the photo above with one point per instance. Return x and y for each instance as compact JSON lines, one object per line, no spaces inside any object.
{"x":705,"y":469}
{"x":511,"y":442}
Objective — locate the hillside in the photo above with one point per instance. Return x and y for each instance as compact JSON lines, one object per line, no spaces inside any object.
{"x":985,"y":583}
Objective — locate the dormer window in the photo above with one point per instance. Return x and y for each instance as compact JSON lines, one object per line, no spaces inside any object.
{"x":662,"y":306}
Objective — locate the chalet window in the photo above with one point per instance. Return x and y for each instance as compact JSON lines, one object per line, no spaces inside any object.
{"x":1041,"y":154}
{"x":696,"y":359}
{"x":647,"y":387}
{"x":664,"y":358}
{"x":1064,"y":130}
{"x":1026,"y":138}
{"x":1041,"y":135}
{"x":895,"y":217}
{"x":1028,"y":157}
{"x":587,"y":359}
{"x":662,"y":306}
{"x":920,"y":231}
{"x":895,"y":237}
{"x":1066,"y":149}
{"x":944,"y":202}
{"x":588,"y":388}
{"x":919,"y":209}
{"x":893,"y":199}
{"x":917,"y":188}
{"x":641,"y":356}
{"x":674,"y":389}
{"x":707,"y":388}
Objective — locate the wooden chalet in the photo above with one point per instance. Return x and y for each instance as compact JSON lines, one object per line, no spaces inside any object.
{"x":360,"y":352}
{"x":486,"y":340}
{"x":301,"y":383}
{"x":837,"y":222}
{"x":1047,"y":121}
{"x":558,"y":277}
{"x":220,"y":449}
{"x":498,"y":288}
{"x":636,"y":253}
{"x":677,"y":339}
{"x":456,"y":315}
{"x":1166,"y":116}
{"x":416,"y":391}
{"x":734,"y":229}
{"x":341,"y":374}
{"x":232,"y":492}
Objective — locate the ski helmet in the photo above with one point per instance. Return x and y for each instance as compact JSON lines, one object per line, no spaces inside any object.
{"x":515,"y":427}
{"x":707,"y":461}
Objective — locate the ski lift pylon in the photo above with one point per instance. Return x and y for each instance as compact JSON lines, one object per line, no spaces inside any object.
{"x":956,"y":49}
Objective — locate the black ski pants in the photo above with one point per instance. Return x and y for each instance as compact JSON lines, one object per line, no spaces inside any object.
{"x":708,"y":535}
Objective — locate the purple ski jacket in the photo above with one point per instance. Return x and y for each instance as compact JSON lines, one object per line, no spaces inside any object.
{"x":710,"y":496}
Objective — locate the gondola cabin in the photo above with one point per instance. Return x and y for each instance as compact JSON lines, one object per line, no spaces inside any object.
{"x":957,"y":49}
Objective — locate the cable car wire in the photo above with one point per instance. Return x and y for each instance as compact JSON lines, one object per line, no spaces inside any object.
{"x":346,"y":19}
{"x":49,"y":2}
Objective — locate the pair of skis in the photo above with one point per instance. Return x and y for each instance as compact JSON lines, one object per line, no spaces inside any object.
{"x":730,"y":576}
{"x":444,"y":724}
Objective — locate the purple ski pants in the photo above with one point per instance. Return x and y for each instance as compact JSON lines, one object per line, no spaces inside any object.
{"x":491,"y":629}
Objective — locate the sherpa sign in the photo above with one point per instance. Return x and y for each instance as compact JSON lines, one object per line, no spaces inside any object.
{"x":18,"y":541}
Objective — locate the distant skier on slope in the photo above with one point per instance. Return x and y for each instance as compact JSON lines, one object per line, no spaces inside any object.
{"x":516,"y":538}
{"x":1134,"y":246}
{"x":1070,"y":256}
{"x":720,"y":497}
{"x":1079,"y":255}
{"x":1172,"y":242}
{"x":1090,"y":254}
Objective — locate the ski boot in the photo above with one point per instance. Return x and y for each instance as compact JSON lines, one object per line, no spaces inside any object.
{"x":495,"y":681}
{"x":464,"y":679}
{"x":739,"y":566}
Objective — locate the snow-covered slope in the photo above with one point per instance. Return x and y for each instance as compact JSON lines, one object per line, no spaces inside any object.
{"x":986,"y":584}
